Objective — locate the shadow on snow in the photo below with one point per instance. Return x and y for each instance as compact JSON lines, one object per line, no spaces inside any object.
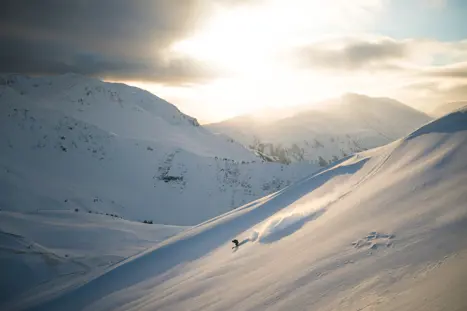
{"x":192,"y":244}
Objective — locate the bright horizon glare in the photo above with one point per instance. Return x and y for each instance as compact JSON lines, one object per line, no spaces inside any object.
{"x":277,"y":54}
{"x":250,"y":47}
{"x":219,"y":59}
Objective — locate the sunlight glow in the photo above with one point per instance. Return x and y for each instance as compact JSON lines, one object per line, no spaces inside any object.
{"x":248,"y":39}
{"x":250,"y":45}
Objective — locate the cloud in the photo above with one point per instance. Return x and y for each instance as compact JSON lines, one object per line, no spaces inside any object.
{"x":441,"y":88}
{"x":429,"y":94}
{"x":124,"y":40}
{"x":131,"y":39}
{"x":118,"y":24}
{"x":117,"y":38}
{"x":349,"y":54}
{"x":372,"y":52}
{"x":457,"y":70}
{"x":33,"y":57}
{"x":420,"y":72}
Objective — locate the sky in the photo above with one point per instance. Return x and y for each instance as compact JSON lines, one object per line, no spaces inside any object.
{"x":218,"y":59}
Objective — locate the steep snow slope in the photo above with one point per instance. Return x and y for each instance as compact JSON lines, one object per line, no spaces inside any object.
{"x":340,"y":127}
{"x":72,"y":142}
{"x":385,"y":229}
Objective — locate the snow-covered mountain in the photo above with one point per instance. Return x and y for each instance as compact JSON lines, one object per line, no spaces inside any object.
{"x":385,"y":229}
{"x":71,"y":142}
{"x":446,"y":108}
{"x":335,"y":129}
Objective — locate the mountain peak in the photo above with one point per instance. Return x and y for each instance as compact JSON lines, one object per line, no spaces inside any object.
{"x":341,"y":126}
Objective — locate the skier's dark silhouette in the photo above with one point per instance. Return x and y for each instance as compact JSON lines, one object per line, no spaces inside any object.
{"x":235,"y":242}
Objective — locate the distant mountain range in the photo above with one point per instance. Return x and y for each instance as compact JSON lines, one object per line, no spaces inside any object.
{"x":337,"y":128}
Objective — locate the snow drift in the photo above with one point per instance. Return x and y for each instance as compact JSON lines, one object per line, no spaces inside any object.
{"x":385,"y":229}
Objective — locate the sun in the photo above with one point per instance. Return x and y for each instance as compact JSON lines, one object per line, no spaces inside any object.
{"x":249,"y":46}
{"x":231,"y":41}
{"x":249,"y":39}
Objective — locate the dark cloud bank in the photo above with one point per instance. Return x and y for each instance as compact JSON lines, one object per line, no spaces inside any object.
{"x":119,"y":39}
{"x":349,"y":54}
{"x":129,"y":40}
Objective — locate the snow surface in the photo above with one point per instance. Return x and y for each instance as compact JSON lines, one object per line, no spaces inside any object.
{"x":385,"y":229}
{"x":75,"y":142}
{"x":39,"y":250}
{"x":331,"y":131}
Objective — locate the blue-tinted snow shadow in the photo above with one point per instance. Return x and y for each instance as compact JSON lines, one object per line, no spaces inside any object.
{"x":192,"y":245}
{"x":453,"y":122}
{"x":293,"y":227}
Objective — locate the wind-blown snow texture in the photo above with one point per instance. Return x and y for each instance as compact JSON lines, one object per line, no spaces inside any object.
{"x":385,"y":229}
{"x":340,"y":127}
{"x":74,"y":142}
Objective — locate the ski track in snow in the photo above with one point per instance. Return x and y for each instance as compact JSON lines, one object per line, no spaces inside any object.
{"x":286,"y":223}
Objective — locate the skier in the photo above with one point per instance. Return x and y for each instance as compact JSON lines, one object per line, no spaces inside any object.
{"x":235,"y":242}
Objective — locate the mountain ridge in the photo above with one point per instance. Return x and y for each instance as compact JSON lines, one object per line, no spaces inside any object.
{"x":340,"y":127}
{"x":104,"y":153}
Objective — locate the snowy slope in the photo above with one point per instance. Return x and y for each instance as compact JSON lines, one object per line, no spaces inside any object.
{"x":340,"y":127}
{"x":73,"y":142}
{"x":385,"y":229}
{"x":117,"y":109}
{"x":38,"y":250}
